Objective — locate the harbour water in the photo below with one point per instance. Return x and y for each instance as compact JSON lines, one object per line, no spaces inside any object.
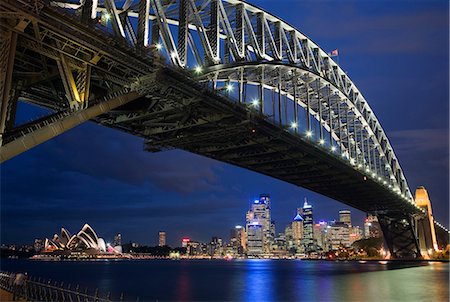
{"x":248,"y":280}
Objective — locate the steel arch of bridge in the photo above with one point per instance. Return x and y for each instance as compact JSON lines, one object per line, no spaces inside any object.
{"x":229,"y":41}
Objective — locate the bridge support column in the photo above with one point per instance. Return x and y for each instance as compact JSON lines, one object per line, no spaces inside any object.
{"x":400,"y":236}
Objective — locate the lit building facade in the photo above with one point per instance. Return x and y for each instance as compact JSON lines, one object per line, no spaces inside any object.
{"x":297,"y":230}
{"x":338,"y":235}
{"x":345,"y":216}
{"x":320,"y":235}
{"x":162,"y":238}
{"x":237,"y":241}
{"x":85,"y":241}
{"x":308,"y":227}
{"x":254,"y":239}
{"x":260,"y":215}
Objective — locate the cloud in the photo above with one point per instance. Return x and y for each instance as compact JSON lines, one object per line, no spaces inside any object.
{"x":109,"y":154}
{"x":431,"y":141}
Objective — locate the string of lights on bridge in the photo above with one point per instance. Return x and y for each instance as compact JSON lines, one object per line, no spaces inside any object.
{"x":309,"y":134}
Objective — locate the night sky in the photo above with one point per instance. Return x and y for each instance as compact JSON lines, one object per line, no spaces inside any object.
{"x":396,"y":52}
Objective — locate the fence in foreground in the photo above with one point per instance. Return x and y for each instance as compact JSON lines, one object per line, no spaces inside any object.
{"x":38,"y":289}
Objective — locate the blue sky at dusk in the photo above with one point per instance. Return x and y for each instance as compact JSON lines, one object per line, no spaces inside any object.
{"x":397,"y":54}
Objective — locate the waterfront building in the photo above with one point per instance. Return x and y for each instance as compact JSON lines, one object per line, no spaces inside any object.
{"x":236,"y":239}
{"x":320,"y":234}
{"x":216,"y":247}
{"x":162,"y":238}
{"x":279,"y":247}
{"x":85,"y":241}
{"x":338,"y":235}
{"x":289,"y":237}
{"x":372,"y":227}
{"x":345,"y":217}
{"x":308,"y":227}
{"x":297,"y":230}
{"x":193,"y":248}
{"x":355,"y":234}
{"x":118,"y":239}
{"x":185,"y":241}
{"x":254,"y":239}
{"x":260,"y":214}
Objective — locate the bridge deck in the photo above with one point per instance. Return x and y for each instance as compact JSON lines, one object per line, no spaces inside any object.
{"x":183,"y":114}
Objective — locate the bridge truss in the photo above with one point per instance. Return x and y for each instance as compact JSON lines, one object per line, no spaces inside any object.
{"x":254,"y":88}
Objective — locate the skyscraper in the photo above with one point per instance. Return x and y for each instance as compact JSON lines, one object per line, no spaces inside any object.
{"x":162,"y":238}
{"x":259,"y":215}
{"x":308,"y":226}
{"x":297,"y":230}
{"x":345,"y":217}
{"x":254,"y":239}
{"x":236,"y":239}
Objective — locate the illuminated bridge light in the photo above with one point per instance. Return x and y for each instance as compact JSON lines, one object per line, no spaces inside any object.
{"x":198,"y":69}
{"x":359,"y":165}
{"x":173,"y":54}
{"x":294,"y":125}
{"x":255,"y":103}
{"x":106,"y":16}
{"x":333,"y":148}
{"x":229,"y":87}
{"x":308,"y":133}
{"x":158,"y":46}
{"x":322,"y":141}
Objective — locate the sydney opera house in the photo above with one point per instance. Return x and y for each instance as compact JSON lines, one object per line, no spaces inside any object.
{"x":85,"y":241}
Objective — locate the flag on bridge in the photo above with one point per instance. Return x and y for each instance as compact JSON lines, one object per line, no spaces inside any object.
{"x":334,"y":53}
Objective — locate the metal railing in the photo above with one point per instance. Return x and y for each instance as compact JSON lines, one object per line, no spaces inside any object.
{"x":39,"y":289}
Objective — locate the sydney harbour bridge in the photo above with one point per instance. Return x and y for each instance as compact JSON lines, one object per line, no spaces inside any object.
{"x":219,"y":78}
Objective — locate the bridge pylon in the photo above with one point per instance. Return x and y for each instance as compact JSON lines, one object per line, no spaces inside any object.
{"x":425,"y":224}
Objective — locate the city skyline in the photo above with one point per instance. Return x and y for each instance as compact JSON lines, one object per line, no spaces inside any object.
{"x":65,"y":173}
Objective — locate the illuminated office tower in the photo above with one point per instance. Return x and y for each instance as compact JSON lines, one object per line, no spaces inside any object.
{"x":308,"y":226}
{"x":162,"y":238}
{"x":237,"y":239}
{"x":254,"y":239}
{"x":320,"y":234}
{"x":297,"y":230}
{"x":259,"y":214}
{"x":345,"y":217}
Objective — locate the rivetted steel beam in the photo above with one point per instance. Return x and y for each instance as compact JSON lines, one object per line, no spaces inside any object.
{"x":143,"y":24}
{"x":43,"y":134}
{"x":7,"y":53}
